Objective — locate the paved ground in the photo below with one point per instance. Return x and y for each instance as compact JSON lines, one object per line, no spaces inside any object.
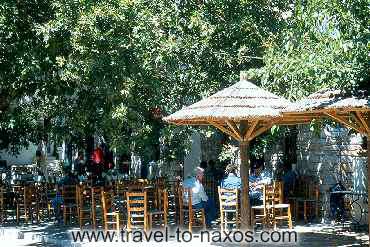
{"x":53,"y":235}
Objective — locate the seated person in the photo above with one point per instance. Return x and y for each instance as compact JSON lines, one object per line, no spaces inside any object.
{"x":57,"y":203}
{"x":213,"y":171}
{"x":337,"y":202}
{"x":258,"y":177}
{"x":288,"y":178}
{"x":41,"y":164}
{"x":79,"y":164}
{"x":68,"y":179}
{"x":232,"y":181}
{"x":198,"y":195}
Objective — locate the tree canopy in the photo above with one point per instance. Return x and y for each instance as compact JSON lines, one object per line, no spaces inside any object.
{"x":70,"y":69}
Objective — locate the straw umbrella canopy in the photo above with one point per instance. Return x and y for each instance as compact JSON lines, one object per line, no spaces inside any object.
{"x":350,"y":110}
{"x":242,"y":111}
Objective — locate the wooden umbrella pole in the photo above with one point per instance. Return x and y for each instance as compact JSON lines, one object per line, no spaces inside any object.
{"x":244,"y":174}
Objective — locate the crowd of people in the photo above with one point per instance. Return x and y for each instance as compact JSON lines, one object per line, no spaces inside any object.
{"x":259,"y":176}
{"x":98,"y":163}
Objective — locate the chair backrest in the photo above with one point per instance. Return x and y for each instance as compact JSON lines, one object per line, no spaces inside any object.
{"x":185,"y":197}
{"x":84,"y":196}
{"x":173,"y":188}
{"x":51,"y":192}
{"x":162,"y":200}
{"x":2,"y":192}
{"x":18,"y":194}
{"x":160,"y":182}
{"x":120,"y":187}
{"x":210,"y":186}
{"x":137,"y":203}
{"x":313,"y":190}
{"x":41,"y":195}
{"x":228,"y":198}
{"x":108,"y":200}
{"x":69,"y":194}
{"x":306,"y":187}
{"x":120,"y":191}
{"x":272,"y":194}
{"x":25,"y":195}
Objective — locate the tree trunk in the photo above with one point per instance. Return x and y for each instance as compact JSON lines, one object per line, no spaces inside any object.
{"x":244,"y":174}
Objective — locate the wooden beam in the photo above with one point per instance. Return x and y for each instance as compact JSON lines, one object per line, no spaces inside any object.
{"x":234,"y":128}
{"x":358,"y":122}
{"x":250,"y":130}
{"x":304,"y":113}
{"x":343,"y":121}
{"x":259,"y":131}
{"x":323,"y":110}
{"x":225,"y":130}
{"x":362,"y":120}
{"x":292,"y":123}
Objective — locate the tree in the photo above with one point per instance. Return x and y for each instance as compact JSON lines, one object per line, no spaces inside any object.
{"x":325,"y":44}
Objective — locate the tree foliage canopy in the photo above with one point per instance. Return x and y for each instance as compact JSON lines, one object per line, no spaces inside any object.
{"x":114,"y":68}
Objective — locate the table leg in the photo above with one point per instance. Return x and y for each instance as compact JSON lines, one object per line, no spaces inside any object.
{"x":305,"y":211}
{"x":296,"y":204}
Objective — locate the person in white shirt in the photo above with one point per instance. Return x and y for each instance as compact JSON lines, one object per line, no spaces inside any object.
{"x":199,"y":196}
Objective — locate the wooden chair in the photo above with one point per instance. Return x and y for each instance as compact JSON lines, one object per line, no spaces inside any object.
{"x":260,"y":213}
{"x":51,"y":192}
{"x":161,"y":210}
{"x":42,"y":201}
{"x":194,"y":216}
{"x":110,"y":209}
{"x":173,"y":199}
{"x":278,"y":211}
{"x":70,"y":200}
{"x":210,"y":187}
{"x":9,"y":205}
{"x":2,"y":205}
{"x":137,"y":210}
{"x":159,"y":186}
{"x":27,"y":204}
{"x":120,"y":200}
{"x":84,"y":205}
{"x":310,"y":201}
{"x":229,"y":207}
{"x":97,"y":211}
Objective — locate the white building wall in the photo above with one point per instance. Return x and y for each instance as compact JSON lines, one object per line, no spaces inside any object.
{"x":25,"y":156}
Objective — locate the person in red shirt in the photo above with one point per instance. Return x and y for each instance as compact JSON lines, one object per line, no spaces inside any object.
{"x":98,"y":156}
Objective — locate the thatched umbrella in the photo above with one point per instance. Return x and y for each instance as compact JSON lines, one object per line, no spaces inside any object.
{"x":242,"y":111}
{"x":350,"y":110}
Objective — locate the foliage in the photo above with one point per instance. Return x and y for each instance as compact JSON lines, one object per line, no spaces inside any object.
{"x":88,"y":67}
{"x":72,"y":69}
{"x":263,"y":142}
{"x":325,"y":44}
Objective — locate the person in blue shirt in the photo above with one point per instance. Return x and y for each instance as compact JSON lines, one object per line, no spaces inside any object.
{"x":288,"y":178}
{"x":259,"y":176}
{"x":257,"y":179}
{"x":232,"y":181}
